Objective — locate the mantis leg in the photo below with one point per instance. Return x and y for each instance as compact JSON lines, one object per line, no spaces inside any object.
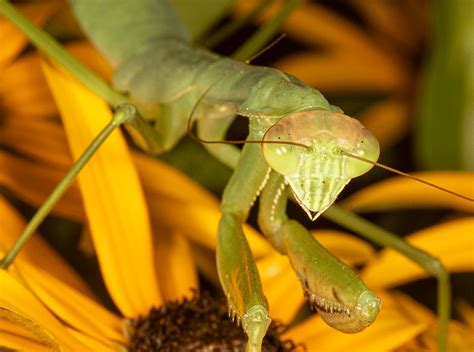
{"x":212,"y":126}
{"x":235,"y":263}
{"x":123,"y":114}
{"x":430,"y":264}
{"x":53,"y":49}
{"x":334,"y":290}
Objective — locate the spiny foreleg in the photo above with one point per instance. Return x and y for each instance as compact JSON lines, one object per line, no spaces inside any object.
{"x":236,"y":266}
{"x":334,"y":289}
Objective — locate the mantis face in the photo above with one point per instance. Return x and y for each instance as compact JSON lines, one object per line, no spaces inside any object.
{"x":318,"y":173}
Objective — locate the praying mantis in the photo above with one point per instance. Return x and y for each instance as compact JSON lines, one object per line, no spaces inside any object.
{"x":299,"y":146}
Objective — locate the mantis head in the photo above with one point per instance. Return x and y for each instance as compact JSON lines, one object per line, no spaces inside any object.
{"x":318,"y":172}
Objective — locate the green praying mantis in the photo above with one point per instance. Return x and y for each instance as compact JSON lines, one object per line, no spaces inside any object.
{"x":299,"y":146}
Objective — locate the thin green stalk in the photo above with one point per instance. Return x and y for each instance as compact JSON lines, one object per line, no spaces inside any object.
{"x":384,"y":238}
{"x":53,"y":49}
{"x":123,"y":114}
{"x":265,"y":33}
{"x":232,"y":27}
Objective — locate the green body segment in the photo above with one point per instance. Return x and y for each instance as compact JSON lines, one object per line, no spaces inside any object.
{"x":121,"y":28}
{"x":165,"y":76}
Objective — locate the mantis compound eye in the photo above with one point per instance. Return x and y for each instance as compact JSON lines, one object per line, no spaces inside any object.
{"x":366,"y":147}
{"x":283,"y":158}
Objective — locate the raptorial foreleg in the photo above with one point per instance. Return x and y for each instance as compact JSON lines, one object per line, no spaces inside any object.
{"x":334,"y":289}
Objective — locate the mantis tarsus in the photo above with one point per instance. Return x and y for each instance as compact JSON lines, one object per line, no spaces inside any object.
{"x":164,"y":75}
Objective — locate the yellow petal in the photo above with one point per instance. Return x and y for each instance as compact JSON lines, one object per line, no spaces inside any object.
{"x":24,"y":91}
{"x":389,"y":19}
{"x":466,"y":311}
{"x":173,"y":184}
{"x":272,"y":266}
{"x":410,"y":307}
{"x":392,"y":112}
{"x":16,"y":174}
{"x":460,"y":338}
{"x":285,"y":297}
{"x":94,"y":344}
{"x":36,"y":252}
{"x":281,"y":287}
{"x":350,"y":249}
{"x":206,"y":262}
{"x":175,"y":266}
{"x":15,"y":329}
{"x":89,"y":56}
{"x":391,"y":329}
{"x":13,"y":41}
{"x":451,"y":242}
{"x":71,"y":306}
{"x":16,"y":338}
{"x":199,"y":223}
{"x":46,"y":141}
{"x":18,"y":305}
{"x":113,"y":198}
{"x":338,"y":32}
{"x":402,"y":193}
{"x":337,"y":72}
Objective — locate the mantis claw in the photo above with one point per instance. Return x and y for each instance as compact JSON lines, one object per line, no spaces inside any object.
{"x":124,"y":114}
{"x":255,"y":323}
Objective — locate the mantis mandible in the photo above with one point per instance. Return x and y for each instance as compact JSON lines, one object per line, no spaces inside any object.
{"x":299,"y":145}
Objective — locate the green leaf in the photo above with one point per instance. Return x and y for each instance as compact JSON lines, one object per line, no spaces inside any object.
{"x":446,"y":124}
{"x":192,"y":159}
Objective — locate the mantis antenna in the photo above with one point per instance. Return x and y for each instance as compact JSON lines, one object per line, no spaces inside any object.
{"x":234,"y":142}
{"x":266,"y":48}
{"x":401,"y":173}
{"x":382,"y":166}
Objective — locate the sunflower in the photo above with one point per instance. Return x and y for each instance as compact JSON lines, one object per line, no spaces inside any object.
{"x":152,"y":227}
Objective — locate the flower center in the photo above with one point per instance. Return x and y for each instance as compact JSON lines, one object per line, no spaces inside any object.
{"x":198,"y":324}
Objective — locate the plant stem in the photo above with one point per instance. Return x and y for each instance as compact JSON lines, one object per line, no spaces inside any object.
{"x":123,"y":114}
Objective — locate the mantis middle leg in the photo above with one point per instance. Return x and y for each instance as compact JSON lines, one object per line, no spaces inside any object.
{"x":213,"y":126}
{"x":429,"y":263}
